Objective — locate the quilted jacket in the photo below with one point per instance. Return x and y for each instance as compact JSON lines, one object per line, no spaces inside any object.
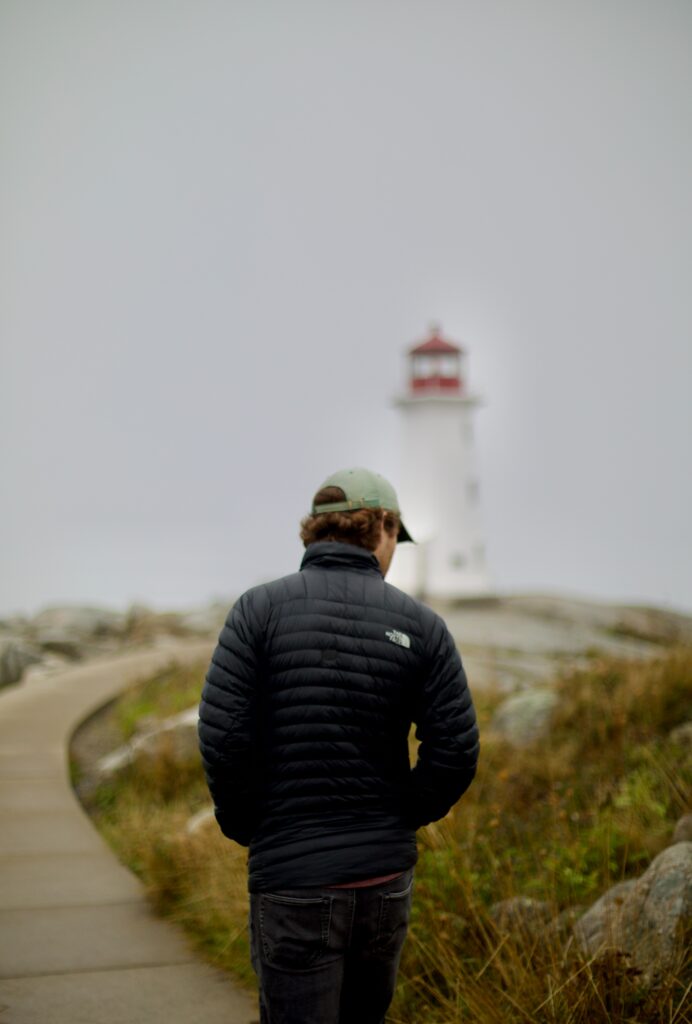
{"x":305,"y":715}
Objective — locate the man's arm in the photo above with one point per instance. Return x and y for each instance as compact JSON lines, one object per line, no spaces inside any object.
{"x":446,"y":726}
{"x":227,"y":727}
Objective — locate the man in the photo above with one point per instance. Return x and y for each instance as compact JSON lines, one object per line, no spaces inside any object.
{"x":304,"y":723}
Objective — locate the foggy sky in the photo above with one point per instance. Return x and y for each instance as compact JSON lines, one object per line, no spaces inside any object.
{"x":223,"y":223}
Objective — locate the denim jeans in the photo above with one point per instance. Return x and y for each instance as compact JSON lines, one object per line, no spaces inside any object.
{"x":329,"y":956}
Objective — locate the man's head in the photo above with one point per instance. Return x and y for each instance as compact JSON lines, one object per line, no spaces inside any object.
{"x":357,"y":506}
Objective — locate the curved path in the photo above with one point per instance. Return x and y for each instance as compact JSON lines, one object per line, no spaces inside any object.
{"x":79,"y":943}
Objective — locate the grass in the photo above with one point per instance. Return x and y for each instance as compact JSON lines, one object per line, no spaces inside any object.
{"x":173,"y":688}
{"x":559,"y":822}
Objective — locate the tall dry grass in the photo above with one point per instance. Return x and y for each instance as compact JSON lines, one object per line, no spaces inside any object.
{"x":557,"y":822}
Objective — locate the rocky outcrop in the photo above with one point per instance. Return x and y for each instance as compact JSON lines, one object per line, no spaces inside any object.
{"x":80,"y":621}
{"x":525,"y":717}
{"x":15,"y":656}
{"x":60,"y":634}
{"x":642,"y":623}
{"x":60,"y":641}
{"x":648,"y":920}
{"x":515,"y":641}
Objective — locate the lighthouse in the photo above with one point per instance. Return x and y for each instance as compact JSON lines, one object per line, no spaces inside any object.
{"x":438,"y":484}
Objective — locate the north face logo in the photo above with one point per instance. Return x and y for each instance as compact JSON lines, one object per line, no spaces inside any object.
{"x":398,"y":638}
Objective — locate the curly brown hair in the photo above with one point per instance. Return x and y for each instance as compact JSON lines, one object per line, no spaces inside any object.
{"x":362,"y":526}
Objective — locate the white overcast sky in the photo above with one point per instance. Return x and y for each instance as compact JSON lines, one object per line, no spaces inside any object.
{"x":223,"y":223}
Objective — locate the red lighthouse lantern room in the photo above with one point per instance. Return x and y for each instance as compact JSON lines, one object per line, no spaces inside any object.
{"x":435,"y":366}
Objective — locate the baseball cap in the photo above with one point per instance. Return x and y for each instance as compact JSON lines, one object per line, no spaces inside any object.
{"x":363,"y":489}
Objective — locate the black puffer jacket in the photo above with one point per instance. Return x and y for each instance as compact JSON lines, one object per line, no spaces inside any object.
{"x":304,"y":722}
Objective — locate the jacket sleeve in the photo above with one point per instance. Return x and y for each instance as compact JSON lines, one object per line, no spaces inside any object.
{"x":228,"y":722}
{"x":446,"y":727}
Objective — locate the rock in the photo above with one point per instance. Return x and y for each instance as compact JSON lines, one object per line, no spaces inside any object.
{"x":75,"y":630}
{"x":15,"y":656}
{"x":143,"y":624}
{"x":649,"y":921}
{"x":59,"y":641}
{"x":683,"y":830}
{"x":682,"y":735}
{"x":81,"y":621}
{"x":525,"y":717}
{"x":655,"y":625}
{"x":200,"y":820}
{"x":14,"y":624}
{"x":521,"y":915}
{"x":48,"y":665}
{"x":140,"y":618}
{"x":204,"y":620}
{"x":595,"y":926}
{"x":181,"y":729}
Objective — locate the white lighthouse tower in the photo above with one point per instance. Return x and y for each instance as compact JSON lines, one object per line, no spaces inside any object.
{"x":438,"y":485}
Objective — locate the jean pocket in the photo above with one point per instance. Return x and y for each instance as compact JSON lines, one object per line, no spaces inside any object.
{"x":294,"y":931}
{"x":394,"y":917}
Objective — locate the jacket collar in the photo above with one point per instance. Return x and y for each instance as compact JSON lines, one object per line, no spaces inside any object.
{"x":327,"y":554}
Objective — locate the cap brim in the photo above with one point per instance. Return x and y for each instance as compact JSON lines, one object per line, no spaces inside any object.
{"x":403,"y":534}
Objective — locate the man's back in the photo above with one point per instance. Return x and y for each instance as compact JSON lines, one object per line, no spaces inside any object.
{"x":305,"y":716}
{"x":303,"y":730}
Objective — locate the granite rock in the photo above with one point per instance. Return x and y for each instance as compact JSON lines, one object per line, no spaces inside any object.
{"x":525,"y":716}
{"x":521,"y":916}
{"x":649,"y":920}
{"x":15,"y":656}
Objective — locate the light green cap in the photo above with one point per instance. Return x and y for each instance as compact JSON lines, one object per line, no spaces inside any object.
{"x":363,"y":489}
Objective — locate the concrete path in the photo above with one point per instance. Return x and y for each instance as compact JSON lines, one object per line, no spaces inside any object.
{"x":78,"y":941}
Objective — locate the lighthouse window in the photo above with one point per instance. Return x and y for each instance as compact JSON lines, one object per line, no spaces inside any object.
{"x":472,"y":490}
{"x":467,"y":431}
{"x":457,"y":560}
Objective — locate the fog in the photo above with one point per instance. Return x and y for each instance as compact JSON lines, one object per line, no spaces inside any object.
{"x":224,"y":223}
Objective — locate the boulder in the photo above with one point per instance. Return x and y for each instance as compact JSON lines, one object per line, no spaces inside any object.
{"x":648,"y":920}
{"x":595,"y":926}
{"x":524,"y":717}
{"x":80,"y":621}
{"x":521,"y":916}
{"x":60,"y":641}
{"x":15,"y":656}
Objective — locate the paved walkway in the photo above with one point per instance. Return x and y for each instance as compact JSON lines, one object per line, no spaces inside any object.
{"x":78,"y":941}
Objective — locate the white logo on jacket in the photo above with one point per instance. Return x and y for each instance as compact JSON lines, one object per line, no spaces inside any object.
{"x":398,"y":638}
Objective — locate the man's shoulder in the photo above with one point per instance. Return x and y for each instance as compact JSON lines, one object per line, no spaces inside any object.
{"x":431,"y":624}
{"x":413,"y":605}
{"x":254,"y":605}
{"x":271,"y":591}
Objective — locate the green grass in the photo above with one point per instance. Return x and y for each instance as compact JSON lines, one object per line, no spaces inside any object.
{"x":559,"y":821}
{"x":174,"y":688}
